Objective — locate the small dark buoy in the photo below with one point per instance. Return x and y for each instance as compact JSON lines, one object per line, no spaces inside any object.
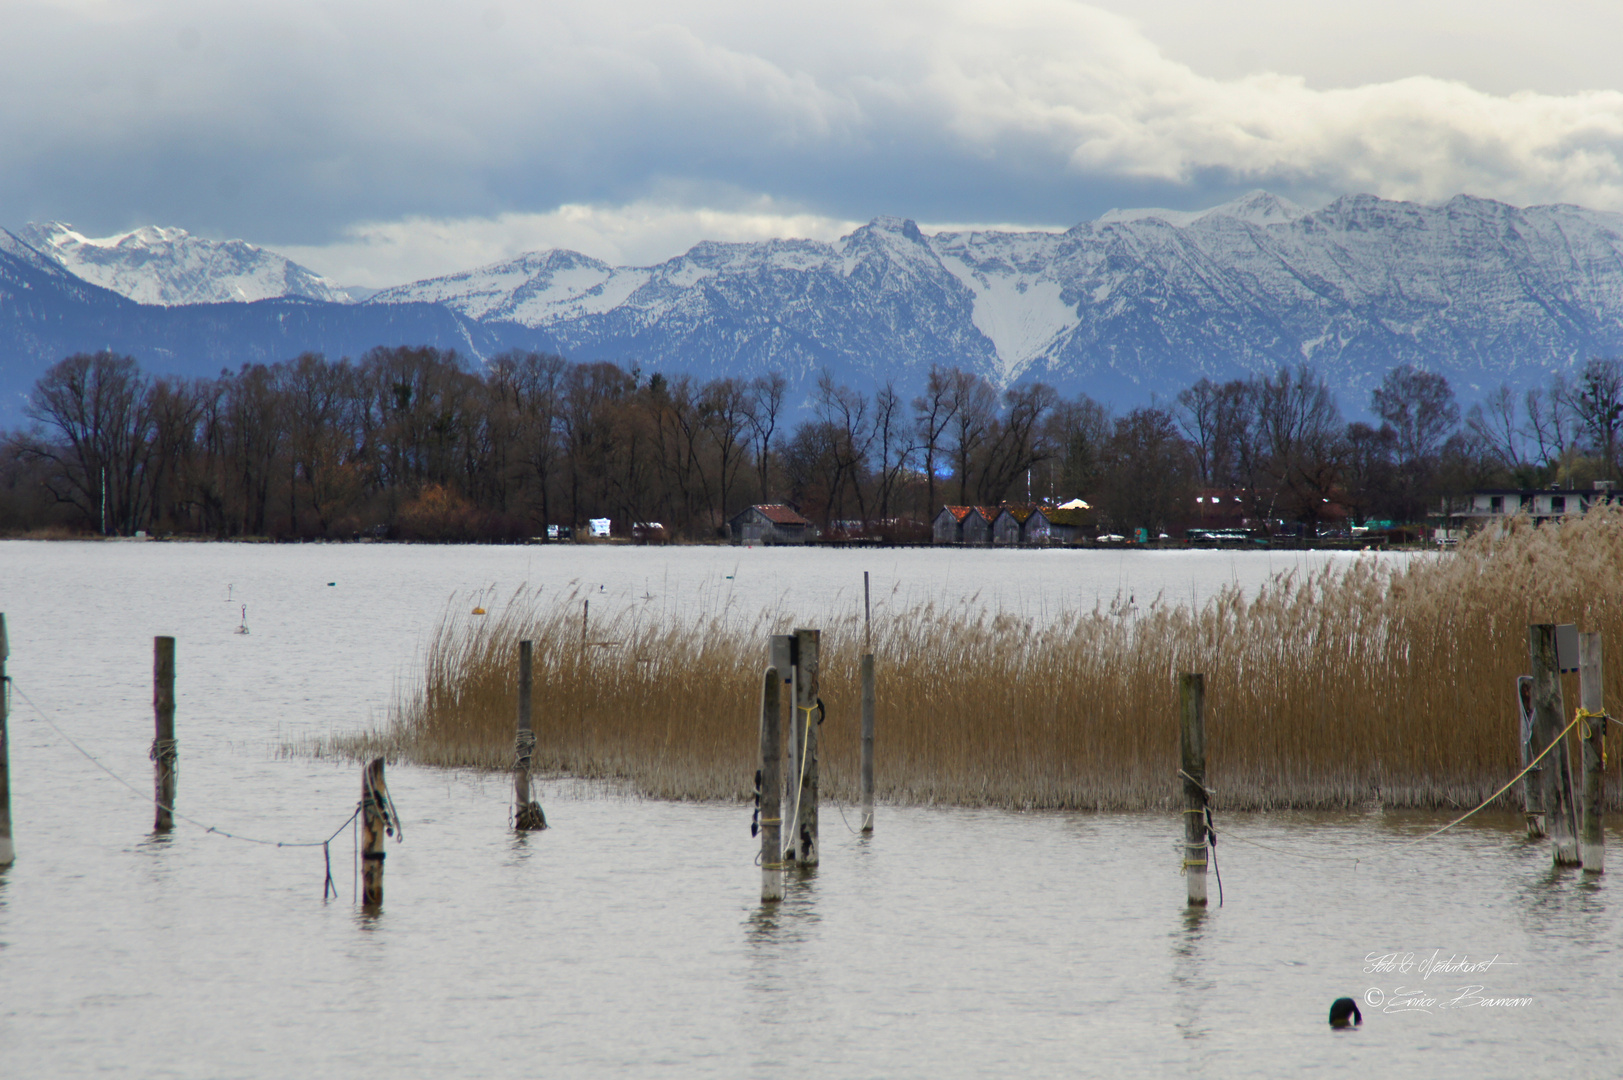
{"x":1344,"y":1013}
{"x":330,"y":584}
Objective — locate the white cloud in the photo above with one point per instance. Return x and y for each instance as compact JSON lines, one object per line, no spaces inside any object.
{"x":380,"y":254}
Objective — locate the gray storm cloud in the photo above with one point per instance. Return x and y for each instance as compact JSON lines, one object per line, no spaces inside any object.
{"x":294,"y":121}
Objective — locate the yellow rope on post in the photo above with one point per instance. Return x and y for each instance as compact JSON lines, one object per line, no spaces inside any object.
{"x":1584,"y":733}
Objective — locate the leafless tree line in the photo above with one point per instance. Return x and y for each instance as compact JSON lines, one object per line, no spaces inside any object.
{"x":415,"y":443}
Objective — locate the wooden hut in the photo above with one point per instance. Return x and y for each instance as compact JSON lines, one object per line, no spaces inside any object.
{"x":767,"y":524}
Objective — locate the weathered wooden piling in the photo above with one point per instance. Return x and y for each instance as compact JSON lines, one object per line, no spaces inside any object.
{"x":375,"y":819}
{"x":8,"y":853}
{"x":1532,"y":793}
{"x":801,"y":843}
{"x":771,"y":787}
{"x":867,"y":742}
{"x":164,"y":753}
{"x":527,"y":815}
{"x":1592,"y":741}
{"x":1192,"y":702}
{"x":1555,"y":771}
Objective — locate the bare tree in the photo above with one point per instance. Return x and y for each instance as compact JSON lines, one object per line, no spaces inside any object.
{"x":933,"y":411}
{"x":763,"y":407}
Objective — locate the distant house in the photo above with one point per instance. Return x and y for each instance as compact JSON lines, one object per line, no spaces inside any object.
{"x":1009,"y":527}
{"x":964,"y":525}
{"x":1541,"y":504}
{"x":769,"y":523}
{"x":1067,"y":526}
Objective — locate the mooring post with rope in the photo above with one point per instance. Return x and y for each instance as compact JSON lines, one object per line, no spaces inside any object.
{"x":1592,"y":741}
{"x":769,"y":788}
{"x":164,"y":753}
{"x":1192,"y":704}
{"x":527,"y":814}
{"x":1555,"y":772}
{"x":801,"y":844}
{"x":377,"y":821}
{"x":8,"y":854}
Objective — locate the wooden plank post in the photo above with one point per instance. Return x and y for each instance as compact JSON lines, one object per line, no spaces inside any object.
{"x":867,"y":743}
{"x":8,"y":853}
{"x":1555,"y":771}
{"x":801,"y":843}
{"x":1532,"y":793}
{"x":164,"y":753}
{"x":375,"y":825}
{"x":771,"y":787}
{"x":1192,"y":702}
{"x":527,"y":814}
{"x":867,"y":708}
{"x":1592,"y":740}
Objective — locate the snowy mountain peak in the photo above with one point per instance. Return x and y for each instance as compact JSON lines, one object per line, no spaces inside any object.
{"x":1255,"y":207}
{"x":168,"y":266}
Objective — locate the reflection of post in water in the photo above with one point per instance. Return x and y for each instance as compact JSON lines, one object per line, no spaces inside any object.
{"x":1192,"y":985}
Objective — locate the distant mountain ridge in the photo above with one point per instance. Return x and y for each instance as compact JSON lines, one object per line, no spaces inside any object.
{"x":1138,"y":303}
{"x":152,"y":265}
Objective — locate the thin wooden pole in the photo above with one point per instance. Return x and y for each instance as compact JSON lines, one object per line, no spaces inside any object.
{"x":867,"y":743}
{"x":771,"y":788}
{"x":808,"y":716}
{"x":867,"y":616}
{"x":527,"y":815}
{"x":1192,"y":701}
{"x":1592,"y":740}
{"x":375,"y":818}
{"x":8,"y":853}
{"x":165,"y":755}
{"x":1555,"y":772}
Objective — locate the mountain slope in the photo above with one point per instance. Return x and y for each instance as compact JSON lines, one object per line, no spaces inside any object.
{"x":1138,"y":302}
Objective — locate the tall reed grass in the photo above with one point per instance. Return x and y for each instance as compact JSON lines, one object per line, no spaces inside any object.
{"x":1374,"y":684}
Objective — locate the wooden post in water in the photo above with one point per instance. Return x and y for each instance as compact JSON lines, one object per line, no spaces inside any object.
{"x":8,"y":854}
{"x":867,"y":743}
{"x":164,"y":753}
{"x":1192,"y":702}
{"x":375,"y":819}
{"x":1532,"y":793}
{"x":771,"y":792}
{"x":1555,"y":771}
{"x":527,"y":815}
{"x":1592,"y":741}
{"x":801,"y":843}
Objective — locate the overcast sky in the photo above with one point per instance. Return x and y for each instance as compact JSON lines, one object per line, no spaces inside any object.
{"x":383,"y":142}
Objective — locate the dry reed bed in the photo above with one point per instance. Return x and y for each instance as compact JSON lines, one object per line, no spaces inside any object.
{"x":1376,"y":684}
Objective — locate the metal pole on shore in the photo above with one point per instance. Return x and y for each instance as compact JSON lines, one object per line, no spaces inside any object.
{"x":867,"y":742}
{"x":164,"y":753}
{"x":1592,"y":740}
{"x":1192,"y":702}
{"x":527,"y":815}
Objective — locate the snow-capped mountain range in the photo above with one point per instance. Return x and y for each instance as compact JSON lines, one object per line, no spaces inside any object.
{"x":153,"y":265}
{"x":1134,"y":304}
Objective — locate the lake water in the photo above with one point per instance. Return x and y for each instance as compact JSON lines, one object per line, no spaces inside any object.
{"x":628,"y":939}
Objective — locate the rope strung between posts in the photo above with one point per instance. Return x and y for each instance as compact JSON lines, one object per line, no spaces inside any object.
{"x":1581,"y":715}
{"x":160,"y":751}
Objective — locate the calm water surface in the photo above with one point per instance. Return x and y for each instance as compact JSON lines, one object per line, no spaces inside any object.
{"x":628,"y":939}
